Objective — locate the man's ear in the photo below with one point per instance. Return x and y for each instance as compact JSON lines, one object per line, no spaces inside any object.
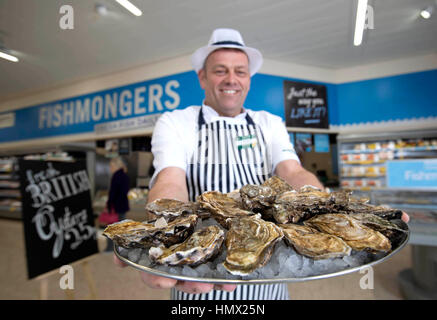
{"x":202,"y":77}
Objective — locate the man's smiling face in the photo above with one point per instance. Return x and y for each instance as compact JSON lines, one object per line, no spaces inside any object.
{"x":226,"y":81}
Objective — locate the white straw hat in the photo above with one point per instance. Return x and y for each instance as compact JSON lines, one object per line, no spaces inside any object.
{"x":227,"y":38}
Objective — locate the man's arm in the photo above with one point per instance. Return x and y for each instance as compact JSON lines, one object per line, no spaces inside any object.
{"x":171,"y":184}
{"x":297,"y":176}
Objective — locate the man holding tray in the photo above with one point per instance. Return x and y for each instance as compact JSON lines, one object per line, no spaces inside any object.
{"x":192,"y":151}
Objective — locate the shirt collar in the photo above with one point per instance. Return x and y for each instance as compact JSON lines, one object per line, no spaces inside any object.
{"x":210,"y":115}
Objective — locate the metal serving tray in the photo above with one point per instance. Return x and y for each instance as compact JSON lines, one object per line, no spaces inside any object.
{"x":259,"y":281}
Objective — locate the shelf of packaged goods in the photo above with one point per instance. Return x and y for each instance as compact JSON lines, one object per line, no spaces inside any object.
{"x":10,"y":208}
{"x":363,"y":162}
{"x":428,"y":149}
{"x":418,"y":148}
{"x":8,"y":176}
{"x":365,"y":151}
{"x":6,"y":193}
{"x":363,"y":177}
{"x":6,"y":184}
{"x":415,"y":154}
{"x":362,"y":188}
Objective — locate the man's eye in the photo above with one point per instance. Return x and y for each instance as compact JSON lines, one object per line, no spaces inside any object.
{"x":241,"y":73}
{"x":219,"y":72}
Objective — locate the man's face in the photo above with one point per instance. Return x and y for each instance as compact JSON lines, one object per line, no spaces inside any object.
{"x":226,"y":81}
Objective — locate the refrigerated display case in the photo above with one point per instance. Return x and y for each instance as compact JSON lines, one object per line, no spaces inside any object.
{"x":10,"y":197}
{"x":363,"y":158}
{"x":399,"y":170}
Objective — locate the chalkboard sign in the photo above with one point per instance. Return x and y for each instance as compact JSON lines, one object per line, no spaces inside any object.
{"x":305,"y":105}
{"x":57,"y":214}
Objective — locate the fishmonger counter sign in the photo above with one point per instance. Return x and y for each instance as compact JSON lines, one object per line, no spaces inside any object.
{"x":421,"y":173}
{"x":57,"y":214}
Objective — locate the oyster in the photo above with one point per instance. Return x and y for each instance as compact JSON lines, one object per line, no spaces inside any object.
{"x":234,"y":195}
{"x":394,"y":230}
{"x":168,"y":208}
{"x":314,"y":244}
{"x":250,"y":242}
{"x":355,"y":234}
{"x":201,"y":212}
{"x":277,"y":184}
{"x":340,"y":200}
{"x":361,"y":206}
{"x":308,"y":201}
{"x":222,"y":207}
{"x":257,"y":198}
{"x":134,"y":234}
{"x":200,"y":247}
{"x":293,"y":206}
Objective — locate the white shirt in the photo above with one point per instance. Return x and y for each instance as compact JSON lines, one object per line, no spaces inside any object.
{"x":176,"y":134}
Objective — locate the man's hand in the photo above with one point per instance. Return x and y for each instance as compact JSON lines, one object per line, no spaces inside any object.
{"x":405,"y":217}
{"x":157,"y":282}
{"x":297,"y":176}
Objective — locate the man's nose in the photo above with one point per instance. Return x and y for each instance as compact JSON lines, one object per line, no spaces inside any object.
{"x":231,"y":77}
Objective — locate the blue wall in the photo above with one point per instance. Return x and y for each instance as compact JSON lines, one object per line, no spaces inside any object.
{"x":406,"y":96}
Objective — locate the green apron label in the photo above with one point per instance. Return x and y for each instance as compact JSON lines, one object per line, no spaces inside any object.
{"x":244,"y":142}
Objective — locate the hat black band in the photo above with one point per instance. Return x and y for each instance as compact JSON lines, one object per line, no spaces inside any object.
{"x":227,"y":42}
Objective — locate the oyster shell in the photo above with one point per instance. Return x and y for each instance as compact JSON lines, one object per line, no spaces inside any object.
{"x":222,"y":207}
{"x":168,"y":208}
{"x":257,"y":198}
{"x":361,"y":206}
{"x":201,"y":212}
{"x":250,"y":242}
{"x":394,"y":230}
{"x":134,"y":234}
{"x":308,"y":201}
{"x":355,"y":234}
{"x":234,"y":195}
{"x":277,"y":184}
{"x":293,"y":206}
{"x":200,"y":247}
{"x":314,"y":244}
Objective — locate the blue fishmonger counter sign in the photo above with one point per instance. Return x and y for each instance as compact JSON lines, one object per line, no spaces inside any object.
{"x":417,"y":173}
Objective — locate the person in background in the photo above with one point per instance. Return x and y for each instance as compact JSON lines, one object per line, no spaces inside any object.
{"x":119,"y":188}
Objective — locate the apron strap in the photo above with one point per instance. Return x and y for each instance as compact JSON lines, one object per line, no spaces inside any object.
{"x":201,"y":119}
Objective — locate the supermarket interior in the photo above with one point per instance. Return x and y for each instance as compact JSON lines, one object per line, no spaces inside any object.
{"x":75,"y":94}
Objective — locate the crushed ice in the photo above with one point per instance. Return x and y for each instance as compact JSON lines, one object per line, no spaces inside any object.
{"x":284,"y":263}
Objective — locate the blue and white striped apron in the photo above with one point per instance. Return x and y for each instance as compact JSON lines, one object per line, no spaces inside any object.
{"x":229,"y":156}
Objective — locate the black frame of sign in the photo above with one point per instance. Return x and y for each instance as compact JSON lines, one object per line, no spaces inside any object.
{"x":305,"y":105}
{"x":57,"y":214}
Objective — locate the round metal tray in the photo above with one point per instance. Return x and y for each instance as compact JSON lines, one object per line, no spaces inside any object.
{"x":259,"y":281}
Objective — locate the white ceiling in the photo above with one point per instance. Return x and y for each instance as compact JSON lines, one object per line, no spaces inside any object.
{"x":310,"y":32}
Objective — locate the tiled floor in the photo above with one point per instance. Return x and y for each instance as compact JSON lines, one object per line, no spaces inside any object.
{"x":112,"y":282}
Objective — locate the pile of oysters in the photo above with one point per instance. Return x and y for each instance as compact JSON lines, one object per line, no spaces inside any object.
{"x":251,"y":221}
